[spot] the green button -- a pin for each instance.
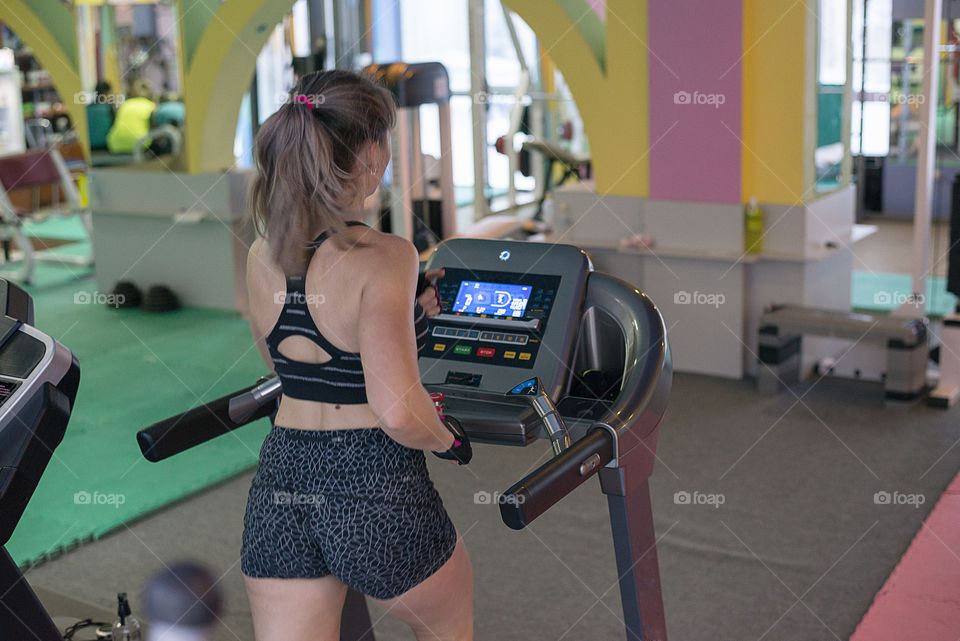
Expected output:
(463, 349)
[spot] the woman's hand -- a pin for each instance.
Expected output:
(429, 298)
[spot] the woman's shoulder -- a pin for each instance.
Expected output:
(381, 255)
(259, 261)
(256, 247)
(385, 247)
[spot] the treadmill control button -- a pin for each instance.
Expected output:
(439, 347)
(487, 352)
(509, 354)
(524, 356)
(522, 340)
(463, 349)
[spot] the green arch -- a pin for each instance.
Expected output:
(48, 28)
(591, 27)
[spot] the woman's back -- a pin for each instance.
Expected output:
(334, 283)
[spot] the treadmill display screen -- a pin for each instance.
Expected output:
(495, 299)
(491, 317)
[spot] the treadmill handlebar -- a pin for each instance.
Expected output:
(205, 422)
(553, 480)
(243, 405)
(648, 371)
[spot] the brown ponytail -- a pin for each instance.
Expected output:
(307, 161)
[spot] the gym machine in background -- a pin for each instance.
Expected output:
(415, 211)
(38, 384)
(530, 343)
(39, 378)
(947, 391)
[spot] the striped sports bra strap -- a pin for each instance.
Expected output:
(325, 234)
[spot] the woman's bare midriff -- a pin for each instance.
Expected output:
(311, 415)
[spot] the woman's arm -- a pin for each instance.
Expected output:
(388, 351)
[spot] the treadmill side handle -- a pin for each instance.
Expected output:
(553, 480)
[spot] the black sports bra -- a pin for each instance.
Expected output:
(338, 380)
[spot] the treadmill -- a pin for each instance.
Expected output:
(38, 384)
(530, 343)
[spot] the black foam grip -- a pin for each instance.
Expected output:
(193, 427)
(553, 480)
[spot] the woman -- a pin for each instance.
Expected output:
(341, 496)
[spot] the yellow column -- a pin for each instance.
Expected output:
(779, 100)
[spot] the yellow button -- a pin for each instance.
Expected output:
(439, 347)
(524, 356)
(509, 354)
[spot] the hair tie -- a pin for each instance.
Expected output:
(304, 99)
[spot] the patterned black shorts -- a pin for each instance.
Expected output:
(352, 503)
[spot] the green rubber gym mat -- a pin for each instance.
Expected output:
(58, 227)
(135, 368)
(884, 292)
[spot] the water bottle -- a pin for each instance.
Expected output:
(126, 627)
(753, 228)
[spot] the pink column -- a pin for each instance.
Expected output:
(695, 54)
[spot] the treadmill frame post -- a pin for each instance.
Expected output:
(355, 624)
(635, 419)
(635, 546)
(22, 616)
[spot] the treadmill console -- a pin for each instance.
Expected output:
(513, 314)
(492, 317)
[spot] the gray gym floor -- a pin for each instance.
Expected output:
(797, 549)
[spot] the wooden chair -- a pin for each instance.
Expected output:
(34, 185)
